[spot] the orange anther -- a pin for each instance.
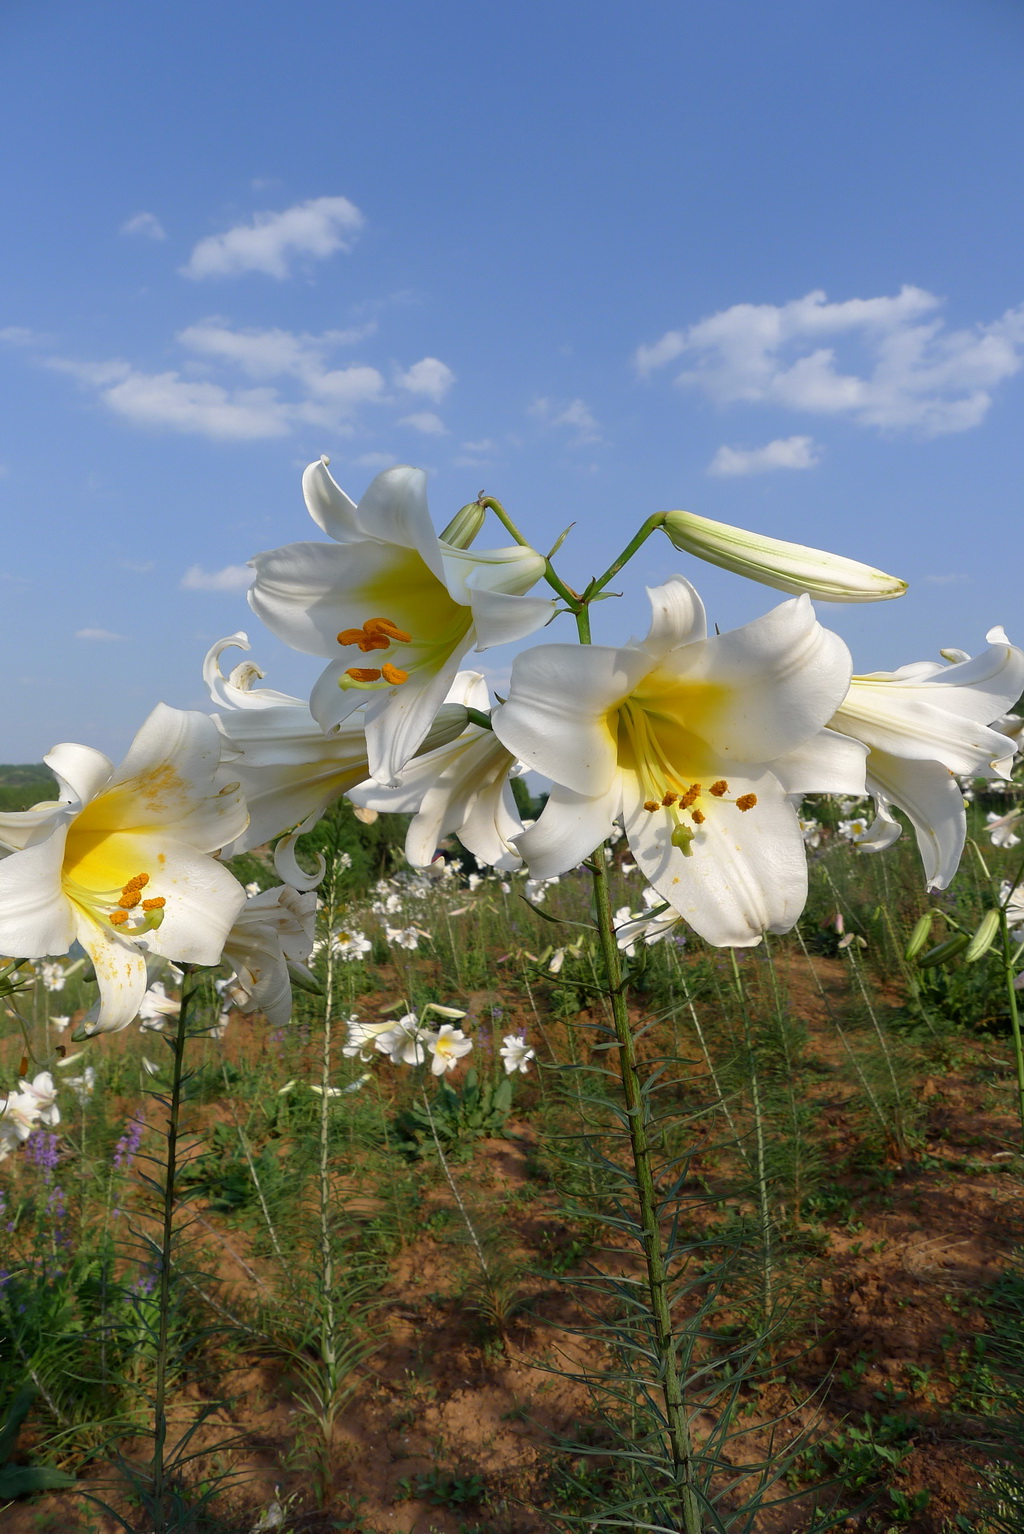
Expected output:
(669, 800)
(394, 674)
(746, 801)
(374, 642)
(650, 805)
(139, 882)
(130, 897)
(363, 674)
(697, 816)
(692, 793)
(156, 904)
(719, 788)
(350, 636)
(385, 626)
(118, 918)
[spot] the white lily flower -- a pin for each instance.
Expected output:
(680, 734)
(461, 788)
(447, 1046)
(649, 927)
(290, 771)
(119, 861)
(155, 1007)
(516, 1054)
(786, 566)
(272, 933)
(1000, 828)
(922, 724)
(390, 586)
(359, 1034)
(404, 1042)
(21, 1111)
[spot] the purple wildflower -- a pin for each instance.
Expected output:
(127, 1147)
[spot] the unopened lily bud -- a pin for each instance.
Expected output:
(981, 942)
(920, 935)
(786, 566)
(464, 526)
(449, 722)
(943, 952)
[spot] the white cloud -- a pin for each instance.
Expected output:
(18, 335)
(429, 376)
(783, 453)
(103, 634)
(919, 375)
(231, 578)
(317, 393)
(146, 224)
(270, 243)
(427, 422)
(376, 460)
(576, 415)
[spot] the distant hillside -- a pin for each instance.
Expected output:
(24, 785)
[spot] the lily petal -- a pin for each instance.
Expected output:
(932, 799)
(747, 873)
(762, 690)
(826, 764)
(35, 915)
(677, 616)
(571, 825)
(556, 717)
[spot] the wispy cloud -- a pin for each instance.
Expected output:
(429, 376)
(145, 224)
(101, 634)
(920, 376)
(272, 242)
(231, 578)
(18, 335)
(288, 380)
(783, 453)
(427, 422)
(576, 415)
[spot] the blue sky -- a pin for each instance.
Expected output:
(761, 261)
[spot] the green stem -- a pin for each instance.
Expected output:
(650, 526)
(166, 1245)
(657, 1275)
(1011, 994)
(550, 574)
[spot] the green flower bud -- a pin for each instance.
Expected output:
(920, 935)
(981, 942)
(944, 951)
(786, 566)
(464, 526)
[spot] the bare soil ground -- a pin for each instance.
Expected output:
(894, 1268)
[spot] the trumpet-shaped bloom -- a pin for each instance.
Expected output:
(922, 724)
(289, 770)
(649, 926)
(447, 1047)
(405, 1041)
(460, 788)
(516, 1054)
(120, 860)
(390, 607)
(680, 734)
(272, 933)
(786, 566)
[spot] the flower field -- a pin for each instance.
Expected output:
(595, 1105)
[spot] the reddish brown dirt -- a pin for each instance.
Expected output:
(891, 1279)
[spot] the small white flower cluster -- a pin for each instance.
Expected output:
(409, 1041)
(30, 1105)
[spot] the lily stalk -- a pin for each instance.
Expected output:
(791, 567)
(677, 1426)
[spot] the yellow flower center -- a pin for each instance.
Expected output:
(119, 908)
(669, 763)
